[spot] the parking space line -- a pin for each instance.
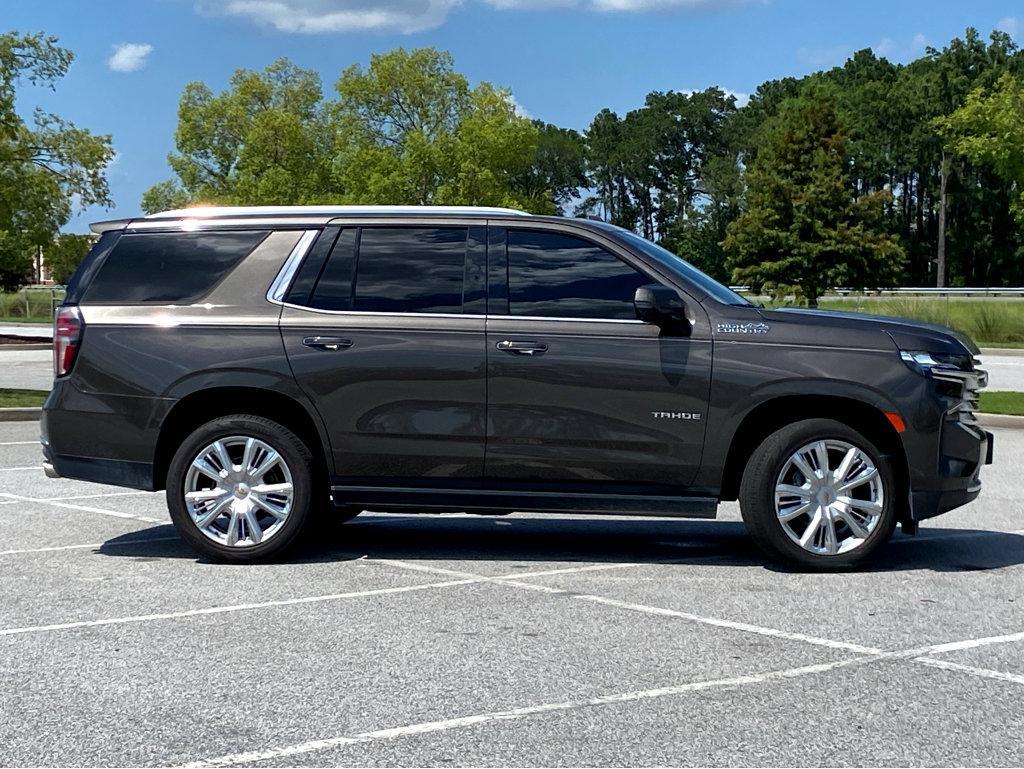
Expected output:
(28, 467)
(97, 496)
(93, 545)
(428, 727)
(232, 608)
(84, 508)
(19, 443)
(975, 643)
(512, 579)
(997, 675)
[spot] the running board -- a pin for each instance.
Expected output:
(475, 500)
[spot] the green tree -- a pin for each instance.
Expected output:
(989, 131)
(264, 140)
(803, 226)
(559, 167)
(45, 165)
(65, 253)
(409, 129)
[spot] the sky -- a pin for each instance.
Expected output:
(564, 60)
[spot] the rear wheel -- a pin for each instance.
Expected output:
(819, 494)
(239, 488)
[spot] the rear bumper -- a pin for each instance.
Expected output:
(100, 438)
(964, 450)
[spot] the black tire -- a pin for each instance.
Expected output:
(293, 450)
(757, 495)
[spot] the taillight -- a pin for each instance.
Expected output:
(67, 336)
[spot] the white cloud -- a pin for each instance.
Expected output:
(896, 50)
(329, 16)
(519, 108)
(326, 16)
(129, 57)
(829, 56)
(1010, 25)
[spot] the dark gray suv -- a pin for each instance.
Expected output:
(265, 365)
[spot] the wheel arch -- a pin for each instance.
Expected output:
(771, 415)
(206, 404)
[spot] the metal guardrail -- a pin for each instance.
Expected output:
(916, 291)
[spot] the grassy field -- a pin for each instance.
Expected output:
(989, 322)
(1003, 403)
(31, 305)
(21, 398)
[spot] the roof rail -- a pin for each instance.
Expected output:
(227, 211)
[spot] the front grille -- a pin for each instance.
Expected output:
(971, 382)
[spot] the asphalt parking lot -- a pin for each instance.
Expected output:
(523, 640)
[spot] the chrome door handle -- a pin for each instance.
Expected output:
(522, 348)
(332, 343)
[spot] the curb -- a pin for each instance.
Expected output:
(1003, 352)
(994, 420)
(21, 414)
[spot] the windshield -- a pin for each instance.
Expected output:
(721, 293)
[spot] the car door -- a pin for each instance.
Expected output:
(581, 394)
(386, 337)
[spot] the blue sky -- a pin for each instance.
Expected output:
(563, 59)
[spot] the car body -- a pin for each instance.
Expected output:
(483, 360)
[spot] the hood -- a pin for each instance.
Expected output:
(907, 334)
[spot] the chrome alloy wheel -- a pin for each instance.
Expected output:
(829, 497)
(238, 491)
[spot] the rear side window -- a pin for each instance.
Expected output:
(395, 269)
(164, 267)
(551, 275)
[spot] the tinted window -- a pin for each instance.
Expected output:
(168, 266)
(562, 276)
(400, 269)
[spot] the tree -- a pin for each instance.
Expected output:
(409, 129)
(559, 166)
(44, 166)
(803, 224)
(65, 253)
(988, 130)
(262, 141)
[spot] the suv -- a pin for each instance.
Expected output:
(264, 365)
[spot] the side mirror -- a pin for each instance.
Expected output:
(659, 305)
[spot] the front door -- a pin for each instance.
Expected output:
(581, 394)
(387, 346)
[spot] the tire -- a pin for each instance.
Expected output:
(258, 534)
(777, 516)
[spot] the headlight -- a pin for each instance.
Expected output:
(935, 362)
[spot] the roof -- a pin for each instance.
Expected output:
(322, 214)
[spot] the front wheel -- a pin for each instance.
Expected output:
(239, 488)
(819, 494)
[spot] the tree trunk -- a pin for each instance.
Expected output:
(940, 270)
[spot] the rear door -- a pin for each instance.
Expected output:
(581, 394)
(386, 336)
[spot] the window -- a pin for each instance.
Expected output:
(168, 267)
(562, 276)
(395, 269)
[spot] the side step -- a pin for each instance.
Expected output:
(478, 501)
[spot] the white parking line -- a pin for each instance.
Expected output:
(427, 727)
(92, 545)
(97, 496)
(19, 443)
(232, 608)
(84, 508)
(974, 643)
(997, 675)
(29, 467)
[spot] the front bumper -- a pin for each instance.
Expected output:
(964, 450)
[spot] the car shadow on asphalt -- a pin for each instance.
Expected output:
(570, 539)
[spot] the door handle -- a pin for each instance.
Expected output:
(522, 348)
(332, 343)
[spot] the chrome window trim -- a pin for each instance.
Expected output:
(374, 314)
(279, 288)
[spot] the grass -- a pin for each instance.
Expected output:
(30, 305)
(989, 322)
(1003, 403)
(21, 398)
